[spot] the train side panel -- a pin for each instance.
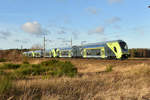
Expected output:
(94, 51)
(55, 52)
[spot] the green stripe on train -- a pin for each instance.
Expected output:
(118, 51)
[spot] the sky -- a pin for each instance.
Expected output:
(25, 22)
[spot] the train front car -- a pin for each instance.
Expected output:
(117, 49)
(124, 48)
(65, 52)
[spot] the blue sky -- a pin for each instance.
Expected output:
(23, 21)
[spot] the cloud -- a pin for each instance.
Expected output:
(49, 40)
(2, 37)
(32, 28)
(36, 46)
(113, 20)
(21, 41)
(4, 34)
(97, 30)
(64, 30)
(104, 39)
(61, 30)
(114, 1)
(75, 34)
(92, 10)
(118, 27)
(60, 38)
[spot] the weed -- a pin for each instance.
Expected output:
(109, 68)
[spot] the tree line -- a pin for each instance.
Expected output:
(139, 52)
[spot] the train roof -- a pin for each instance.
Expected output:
(38, 51)
(25, 52)
(48, 50)
(99, 44)
(65, 48)
(29, 51)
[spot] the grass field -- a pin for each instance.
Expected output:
(95, 80)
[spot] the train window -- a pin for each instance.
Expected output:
(30, 54)
(123, 45)
(94, 52)
(115, 49)
(64, 53)
(47, 53)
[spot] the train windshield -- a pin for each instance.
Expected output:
(123, 46)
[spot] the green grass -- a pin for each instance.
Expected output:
(46, 68)
(52, 67)
(109, 68)
(31, 70)
(26, 62)
(5, 84)
(2, 60)
(9, 66)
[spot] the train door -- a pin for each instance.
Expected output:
(102, 52)
(76, 51)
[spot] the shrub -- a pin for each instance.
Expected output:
(2, 60)
(50, 62)
(26, 62)
(109, 68)
(5, 84)
(10, 66)
(2, 72)
(35, 69)
(52, 67)
(63, 68)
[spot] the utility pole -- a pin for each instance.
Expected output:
(71, 41)
(44, 45)
(21, 47)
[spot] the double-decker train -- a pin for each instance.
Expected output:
(117, 49)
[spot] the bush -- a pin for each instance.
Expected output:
(5, 84)
(2, 60)
(26, 62)
(109, 68)
(52, 67)
(35, 69)
(50, 62)
(10, 66)
(2, 72)
(58, 68)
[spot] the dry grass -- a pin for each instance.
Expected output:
(130, 84)
(129, 80)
